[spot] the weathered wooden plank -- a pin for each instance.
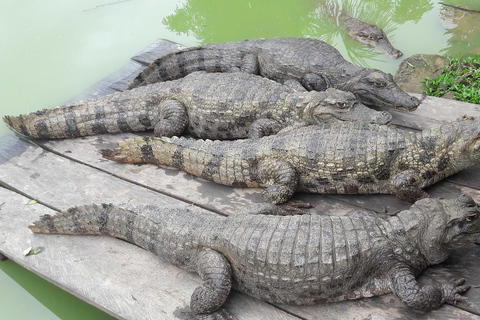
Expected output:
(157, 49)
(469, 178)
(127, 281)
(432, 111)
(386, 307)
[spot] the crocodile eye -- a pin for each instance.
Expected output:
(379, 84)
(471, 217)
(342, 105)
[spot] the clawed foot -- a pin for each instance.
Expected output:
(294, 207)
(300, 204)
(453, 290)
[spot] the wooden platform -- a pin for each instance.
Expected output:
(131, 283)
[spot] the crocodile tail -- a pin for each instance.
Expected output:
(169, 232)
(143, 150)
(181, 153)
(84, 219)
(218, 161)
(218, 57)
(94, 219)
(113, 113)
(69, 121)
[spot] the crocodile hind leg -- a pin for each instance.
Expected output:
(405, 186)
(172, 119)
(249, 65)
(313, 81)
(216, 272)
(427, 297)
(280, 179)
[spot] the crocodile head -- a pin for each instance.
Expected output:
(337, 105)
(371, 35)
(376, 88)
(449, 224)
(462, 142)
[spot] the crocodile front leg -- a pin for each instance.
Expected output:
(216, 272)
(172, 119)
(405, 186)
(249, 65)
(280, 179)
(428, 297)
(312, 81)
(263, 127)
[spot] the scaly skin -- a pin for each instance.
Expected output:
(314, 64)
(301, 259)
(370, 35)
(342, 158)
(207, 105)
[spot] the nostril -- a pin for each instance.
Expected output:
(415, 101)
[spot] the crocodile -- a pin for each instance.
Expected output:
(341, 158)
(206, 105)
(296, 259)
(369, 34)
(312, 63)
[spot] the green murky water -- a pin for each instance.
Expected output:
(51, 51)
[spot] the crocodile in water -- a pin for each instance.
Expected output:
(369, 34)
(343, 158)
(301, 259)
(208, 105)
(313, 63)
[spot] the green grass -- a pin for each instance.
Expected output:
(461, 76)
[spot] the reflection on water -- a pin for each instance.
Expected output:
(387, 15)
(315, 19)
(220, 20)
(462, 27)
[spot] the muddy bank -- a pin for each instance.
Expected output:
(414, 69)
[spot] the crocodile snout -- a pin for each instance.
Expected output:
(383, 117)
(411, 103)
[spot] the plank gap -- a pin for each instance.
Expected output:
(13, 189)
